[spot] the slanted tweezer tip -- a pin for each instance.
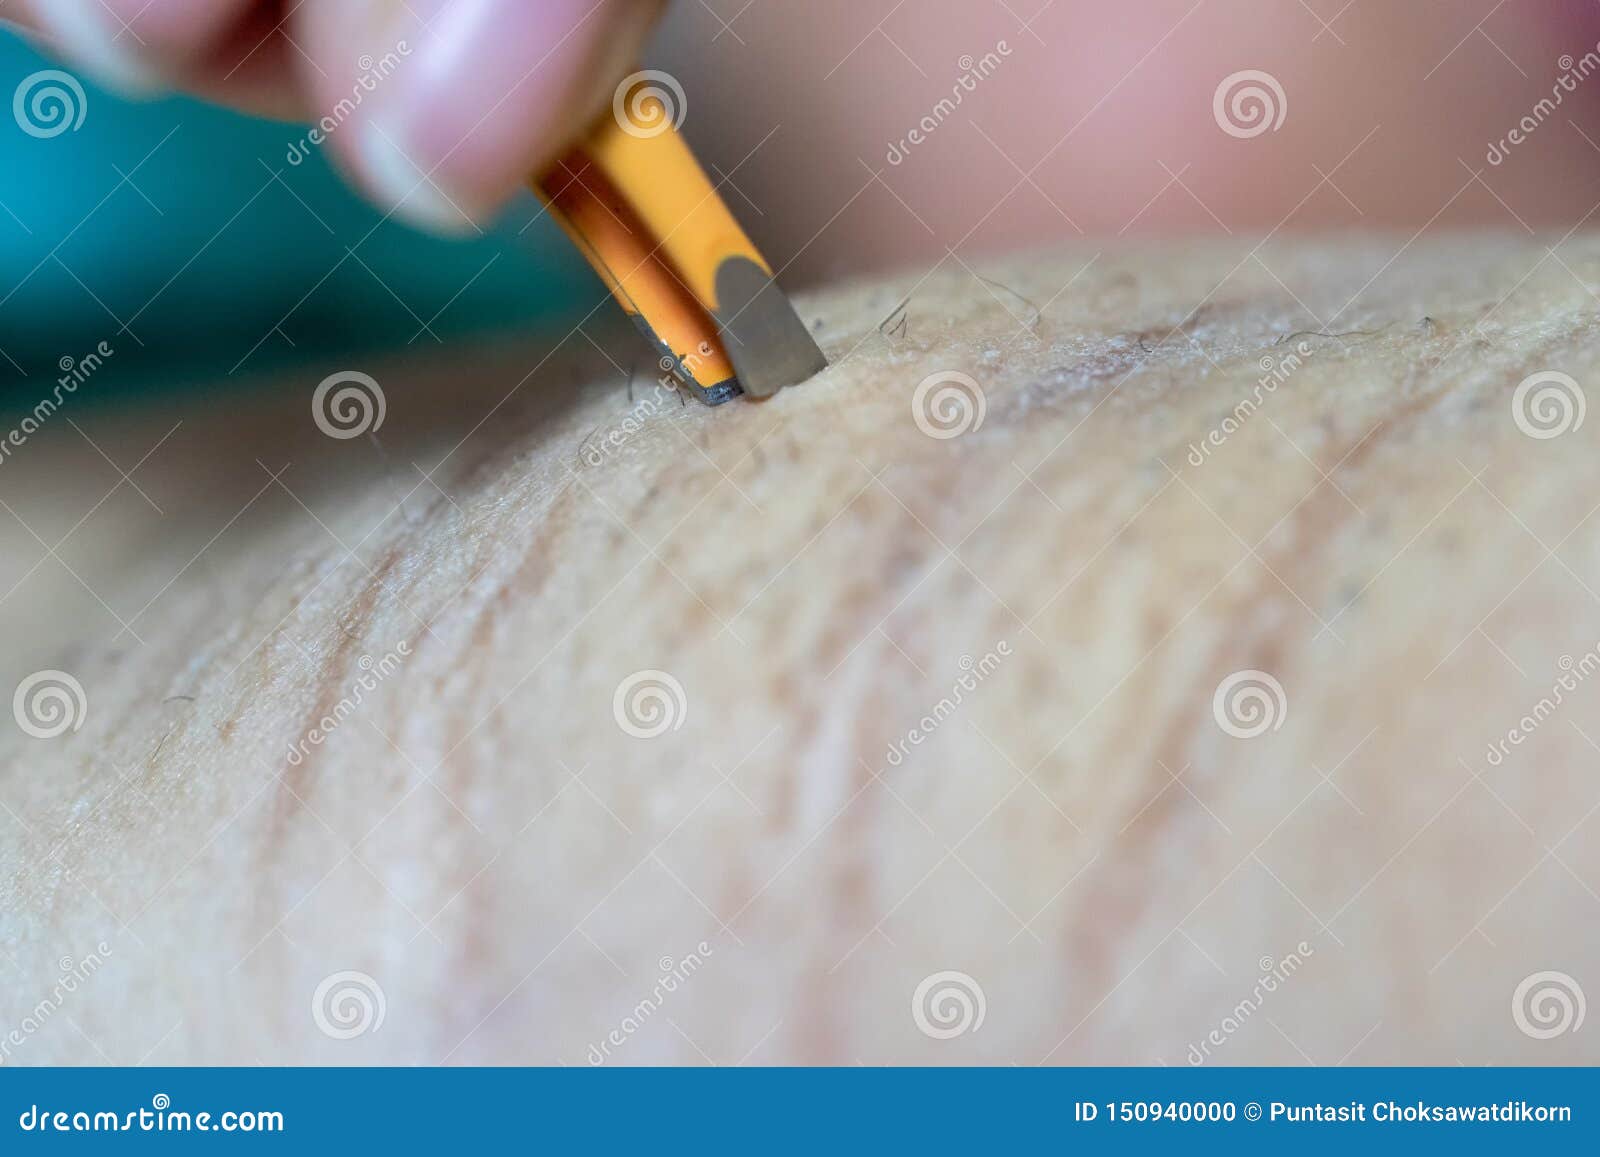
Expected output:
(768, 344)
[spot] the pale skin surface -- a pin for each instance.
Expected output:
(482, 839)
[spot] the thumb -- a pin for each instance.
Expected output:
(476, 94)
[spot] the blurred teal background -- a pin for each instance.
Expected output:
(179, 233)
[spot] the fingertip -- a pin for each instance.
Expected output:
(401, 187)
(85, 35)
(135, 47)
(487, 95)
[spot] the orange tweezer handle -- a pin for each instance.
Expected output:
(644, 213)
(675, 200)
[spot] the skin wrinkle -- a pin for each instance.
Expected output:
(336, 673)
(832, 746)
(535, 569)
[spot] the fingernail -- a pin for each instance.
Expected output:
(399, 184)
(493, 89)
(84, 31)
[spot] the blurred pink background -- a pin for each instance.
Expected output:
(1099, 122)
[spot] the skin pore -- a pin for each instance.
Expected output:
(1301, 462)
